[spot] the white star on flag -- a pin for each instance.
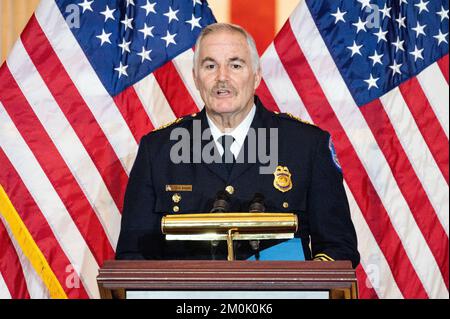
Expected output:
(339, 16)
(386, 11)
(147, 31)
(376, 58)
(443, 14)
(355, 48)
(416, 53)
(172, 15)
(149, 7)
(422, 6)
(108, 13)
(127, 22)
(130, 2)
(145, 55)
(419, 29)
(381, 35)
(360, 25)
(401, 21)
(122, 69)
(441, 37)
(396, 68)
(86, 5)
(194, 22)
(398, 45)
(372, 82)
(364, 3)
(125, 46)
(169, 38)
(104, 37)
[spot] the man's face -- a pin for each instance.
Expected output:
(224, 74)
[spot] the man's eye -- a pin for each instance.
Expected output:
(209, 66)
(236, 66)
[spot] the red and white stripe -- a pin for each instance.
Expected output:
(4, 291)
(62, 223)
(67, 147)
(37, 225)
(12, 279)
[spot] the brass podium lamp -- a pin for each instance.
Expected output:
(229, 227)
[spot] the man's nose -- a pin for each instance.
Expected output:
(222, 73)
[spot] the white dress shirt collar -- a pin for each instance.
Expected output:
(239, 133)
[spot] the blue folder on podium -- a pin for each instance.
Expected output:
(289, 250)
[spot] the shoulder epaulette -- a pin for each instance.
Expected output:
(292, 116)
(178, 120)
(169, 124)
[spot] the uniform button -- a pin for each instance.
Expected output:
(229, 189)
(285, 205)
(176, 209)
(176, 198)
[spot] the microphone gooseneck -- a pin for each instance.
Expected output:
(220, 205)
(256, 206)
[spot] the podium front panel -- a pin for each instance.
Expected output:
(176, 277)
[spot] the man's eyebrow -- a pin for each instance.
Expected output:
(236, 59)
(208, 59)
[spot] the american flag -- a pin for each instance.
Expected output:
(76, 99)
(375, 75)
(76, 95)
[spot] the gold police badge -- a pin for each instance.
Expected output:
(282, 179)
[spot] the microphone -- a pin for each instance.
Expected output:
(220, 205)
(256, 206)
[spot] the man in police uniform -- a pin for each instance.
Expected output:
(306, 180)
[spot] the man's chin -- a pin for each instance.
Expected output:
(224, 108)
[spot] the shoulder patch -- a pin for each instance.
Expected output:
(169, 124)
(334, 155)
(296, 118)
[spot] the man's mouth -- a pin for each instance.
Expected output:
(223, 92)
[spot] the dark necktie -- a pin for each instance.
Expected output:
(227, 156)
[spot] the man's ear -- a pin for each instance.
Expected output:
(195, 78)
(258, 77)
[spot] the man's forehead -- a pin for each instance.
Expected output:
(216, 42)
(234, 38)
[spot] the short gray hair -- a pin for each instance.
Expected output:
(218, 27)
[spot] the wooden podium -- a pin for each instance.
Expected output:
(337, 278)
